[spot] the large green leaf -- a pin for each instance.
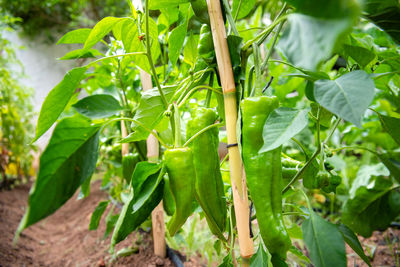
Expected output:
(282, 124)
(159, 4)
(327, 8)
(261, 258)
(352, 240)
(175, 42)
(385, 14)
(372, 202)
(190, 49)
(146, 193)
(132, 42)
(200, 10)
(67, 162)
(101, 29)
(98, 106)
(308, 41)
(78, 36)
(57, 99)
(392, 126)
(149, 112)
(245, 6)
(324, 242)
(392, 163)
(348, 96)
(361, 55)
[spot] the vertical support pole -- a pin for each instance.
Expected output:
(157, 215)
(238, 180)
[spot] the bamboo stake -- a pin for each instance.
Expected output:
(157, 215)
(238, 180)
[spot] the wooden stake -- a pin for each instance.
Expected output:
(157, 215)
(238, 180)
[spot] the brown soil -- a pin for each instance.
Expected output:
(63, 239)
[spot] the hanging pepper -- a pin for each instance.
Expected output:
(168, 199)
(129, 162)
(181, 172)
(206, 45)
(264, 174)
(209, 185)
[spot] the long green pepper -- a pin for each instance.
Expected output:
(264, 174)
(181, 172)
(209, 185)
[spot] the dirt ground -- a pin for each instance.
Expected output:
(63, 239)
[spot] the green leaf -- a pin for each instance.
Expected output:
(68, 161)
(98, 106)
(385, 14)
(245, 6)
(146, 193)
(326, 9)
(352, 240)
(149, 113)
(81, 53)
(391, 125)
(372, 202)
(324, 242)
(308, 41)
(392, 164)
(57, 100)
(235, 46)
(261, 258)
(190, 51)
(78, 36)
(96, 215)
(348, 96)
(360, 54)
(227, 261)
(282, 124)
(200, 10)
(175, 42)
(159, 4)
(101, 29)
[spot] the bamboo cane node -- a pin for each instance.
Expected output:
(231, 145)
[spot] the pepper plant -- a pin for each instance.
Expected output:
(317, 87)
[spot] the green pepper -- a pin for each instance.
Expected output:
(264, 174)
(209, 185)
(129, 162)
(334, 181)
(322, 179)
(181, 172)
(206, 46)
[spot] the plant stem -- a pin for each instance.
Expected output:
(141, 125)
(177, 119)
(271, 49)
(229, 17)
(149, 57)
(310, 160)
(191, 139)
(209, 92)
(194, 89)
(256, 56)
(114, 56)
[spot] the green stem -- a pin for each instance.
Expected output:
(237, 11)
(250, 89)
(138, 123)
(256, 56)
(310, 160)
(177, 119)
(231, 21)
(264, 34)
(301, 146)
(271, 49)
(149, 57)
(224, 159)
(356, 147)
(197, 88)
(191, 139)
(114, 56)
(209, 92)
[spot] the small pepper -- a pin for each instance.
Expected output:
(264, 174)
(181, 172)
(206, 46)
